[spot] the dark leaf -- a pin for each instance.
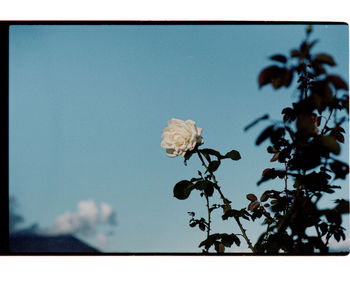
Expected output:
(213, 165)
(201, 184)
(289, 115)
(264, 197)
(230, 213)
(337, 82)
(187, 156)
(268, 171)
(340, 169)
(251, 197)
(323, 228)
(209, 241)
(337, 236)
(219, 247)
(264, 135)
(271, 149)
(324, 58)
(206, 155)
(209, 191)
(339, 137)
(330, 143)
(182, 189)
(333, 217)
(264, 117)
(305, 125)
(226, 240)
(268, 75)
(318, 68)
(236, 240)
(271, 173)
(195, 179)
(295, 53)
(201, 227)
(253, 205)
(287, 78)
(233, 154)
(275, 157)
(342, 206)
(211, 152)
(279, 58)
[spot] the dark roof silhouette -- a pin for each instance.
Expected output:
(35, 243)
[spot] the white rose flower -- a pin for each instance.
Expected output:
(180, 137)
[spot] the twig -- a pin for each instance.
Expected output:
(226, 201)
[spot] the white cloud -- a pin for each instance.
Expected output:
(84, 220)
(107, 214)
(102, 239)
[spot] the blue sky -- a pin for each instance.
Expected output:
(87, 106)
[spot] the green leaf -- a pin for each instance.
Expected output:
(233, 154)
(213, 165)
(182, 189)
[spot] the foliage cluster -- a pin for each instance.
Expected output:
(305, 145)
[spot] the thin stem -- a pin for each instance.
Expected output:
(209, 218)
(244, 234)
(325, 124)
(226, 202)
(213, 177)
(286, 186)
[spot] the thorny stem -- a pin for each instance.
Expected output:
(226, 201)
(209, 220)
(244, 234)
(214, 179)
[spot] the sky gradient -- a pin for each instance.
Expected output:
(87, 106)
